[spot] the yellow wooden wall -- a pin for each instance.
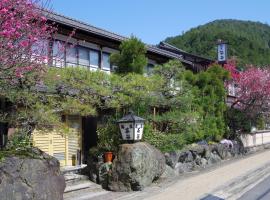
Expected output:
(61, 146)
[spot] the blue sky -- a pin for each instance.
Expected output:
(154, 20)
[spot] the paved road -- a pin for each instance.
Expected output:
(259, 192)
(210, 185)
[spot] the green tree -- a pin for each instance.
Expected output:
(210, 94)
(175, 117)
(131, 57)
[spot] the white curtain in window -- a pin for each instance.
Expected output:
(71, 55)
(106, 61)
(83, 56)
(94, 58)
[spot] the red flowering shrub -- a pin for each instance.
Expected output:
(252, 101)
(24, 33)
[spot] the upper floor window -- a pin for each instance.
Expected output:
(40, 48)
(106, 65)
(94, 58)
(58, 53)
(58, 49)
(71, 56)
(149, 69)
(83, 56)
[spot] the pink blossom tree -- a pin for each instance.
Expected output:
(252, 90)
(24, 34)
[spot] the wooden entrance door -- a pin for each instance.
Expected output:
(65, 147)
(74, 140)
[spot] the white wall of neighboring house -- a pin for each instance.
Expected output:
(231, 89)
(256, 139)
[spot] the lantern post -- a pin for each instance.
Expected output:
(131, 127)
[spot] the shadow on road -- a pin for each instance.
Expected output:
(211, 197)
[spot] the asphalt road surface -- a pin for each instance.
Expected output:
(259, 192)
(232, 180)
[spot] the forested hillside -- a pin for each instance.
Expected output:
(248, 41)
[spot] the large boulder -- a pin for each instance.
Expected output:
(184, 167)
(135, 167)
(37, 178)
(168, 173)
(186, 157)
(172, 158)
(199, 150)
(94, 165)
(222, 150)
(238, 148)
(214, 158)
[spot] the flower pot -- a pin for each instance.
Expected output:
(108, 156)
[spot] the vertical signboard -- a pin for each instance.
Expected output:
(222, 52)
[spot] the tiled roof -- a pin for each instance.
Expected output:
(169, 54)
(166, 46)
(82, 25)
(55, 17)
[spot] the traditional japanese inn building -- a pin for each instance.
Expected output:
(92, 50)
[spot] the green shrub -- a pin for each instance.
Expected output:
(164, 142)
(237, 121)
(109, 136)
(19, 140)
(260, 123)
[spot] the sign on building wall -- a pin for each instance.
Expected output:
(222, 52)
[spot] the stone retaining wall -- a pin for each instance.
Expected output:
(203, 156)
(190, 159)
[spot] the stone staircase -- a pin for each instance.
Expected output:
(79, 187)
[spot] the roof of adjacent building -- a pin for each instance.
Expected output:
(169, 47)
(79, 25)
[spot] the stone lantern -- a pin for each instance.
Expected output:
(131, 127)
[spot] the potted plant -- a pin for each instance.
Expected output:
(108, 156)
(108, 139)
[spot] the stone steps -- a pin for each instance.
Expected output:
(72, 179)
(85, 194)
(72, 169)
(83, 184)
(79, 187)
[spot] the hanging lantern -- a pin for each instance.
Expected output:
(131, 127)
